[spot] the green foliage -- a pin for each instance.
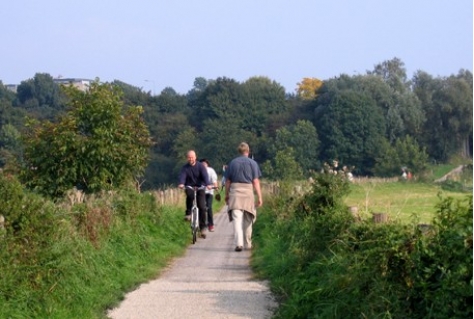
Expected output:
(330, 266)
(404, 153)
(350, 127)
(358, 118)
(303, 139)
(41, 96)
(455, 186)
(28, 218)
(75, 262)
(447, 103)
(96, 146)
(261, 97)
(10, 145)
(441, 276)
(283, 167)
(219, 141)
(327, 193)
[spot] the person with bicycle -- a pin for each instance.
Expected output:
(194, 174)
(242, 184)
(210, 193)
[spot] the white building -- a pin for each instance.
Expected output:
(81, 84)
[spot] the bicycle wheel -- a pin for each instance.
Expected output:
(194, 224)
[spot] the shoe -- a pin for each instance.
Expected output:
(211, 228)
(238, 248)
(203, 235)
(187, 218)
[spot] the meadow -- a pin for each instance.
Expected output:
(402, 201)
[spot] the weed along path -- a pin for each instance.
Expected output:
(210, 281)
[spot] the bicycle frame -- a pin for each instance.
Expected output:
(195, 213)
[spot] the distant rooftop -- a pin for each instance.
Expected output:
(81, 84)
(11, 87)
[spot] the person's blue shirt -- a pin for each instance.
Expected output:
(243, 169)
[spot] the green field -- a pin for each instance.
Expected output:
(400, 200)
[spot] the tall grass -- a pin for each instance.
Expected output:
(77, 262)
(322, 263)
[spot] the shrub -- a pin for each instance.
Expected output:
(442, 273)
(323, 264)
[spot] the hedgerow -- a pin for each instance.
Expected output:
(322, 263)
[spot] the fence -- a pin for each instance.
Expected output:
(170, 197)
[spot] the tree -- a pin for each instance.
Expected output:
(41, 96)
(132, 95)
(454, 102)
(404, 153)
(402, 109)
(308, 88)
(303, 139)
(169, 101)
(220, 100)
(219, 140)
(10, 145)
(251, 104)
(97, 145)
(351, 128)
(261, 99)
(283, 166)
(186, 140)
(199, 86)
(447, 103)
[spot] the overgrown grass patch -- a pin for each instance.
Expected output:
(77, 262)
(321, 263)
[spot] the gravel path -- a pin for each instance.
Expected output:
(210, 281)
(457, 170)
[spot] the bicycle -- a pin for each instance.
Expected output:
(195, 213)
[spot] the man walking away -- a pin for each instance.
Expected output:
(242, 181)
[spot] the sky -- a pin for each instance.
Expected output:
(153, 44)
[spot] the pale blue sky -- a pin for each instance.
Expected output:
(170, 43)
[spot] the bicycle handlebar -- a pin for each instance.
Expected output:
(195, 187)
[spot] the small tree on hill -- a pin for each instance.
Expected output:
(404, 153)
(97, 145)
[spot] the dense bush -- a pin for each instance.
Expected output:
(324, 264)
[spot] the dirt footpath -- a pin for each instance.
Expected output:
(210, 281)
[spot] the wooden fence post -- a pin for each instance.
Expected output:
(380, 218)
(426, 229)
(354, 210)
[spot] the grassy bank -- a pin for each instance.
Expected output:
(74, 262)
(321, 263)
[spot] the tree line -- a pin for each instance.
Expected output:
(373, 123)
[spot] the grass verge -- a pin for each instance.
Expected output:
(88, 258)
(322, 263)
